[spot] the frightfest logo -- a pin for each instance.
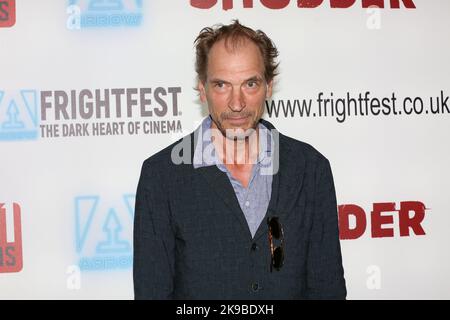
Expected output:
(31, 114)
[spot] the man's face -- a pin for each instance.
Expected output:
(235, 88)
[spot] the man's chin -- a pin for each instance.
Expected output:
(238, 133)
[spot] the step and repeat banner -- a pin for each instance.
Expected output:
(89, 89)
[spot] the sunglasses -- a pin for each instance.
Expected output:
(277, 252)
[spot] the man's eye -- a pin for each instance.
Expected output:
(251, 84)
(219, 84)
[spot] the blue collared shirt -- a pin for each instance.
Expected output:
(253, 200)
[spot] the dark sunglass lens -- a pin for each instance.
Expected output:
(278, 257)
(275, 228)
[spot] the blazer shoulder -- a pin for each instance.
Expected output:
(162, 160)
(303, 149)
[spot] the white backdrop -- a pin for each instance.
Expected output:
(76, 193)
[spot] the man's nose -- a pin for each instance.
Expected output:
(237, 100)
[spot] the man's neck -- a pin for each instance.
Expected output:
(236, 152)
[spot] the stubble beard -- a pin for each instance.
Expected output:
(236, 133)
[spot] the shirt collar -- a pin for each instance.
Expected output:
(205, 153)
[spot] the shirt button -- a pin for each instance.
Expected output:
(255, 286)
(254, 247)
(247, 203)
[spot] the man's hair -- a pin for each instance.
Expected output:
(236, 33)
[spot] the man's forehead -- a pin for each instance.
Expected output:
(233, 76)
(240, 63)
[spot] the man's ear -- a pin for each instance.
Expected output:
(269, 89)
(202, 91)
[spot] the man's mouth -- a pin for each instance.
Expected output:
(237, 120)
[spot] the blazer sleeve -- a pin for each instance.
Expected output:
(153, 239)
(325, 273)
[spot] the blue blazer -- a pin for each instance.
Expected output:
(192, 241)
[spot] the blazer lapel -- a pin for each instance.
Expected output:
(286, 184)
(219, 182)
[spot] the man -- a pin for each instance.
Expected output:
(236, 210)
